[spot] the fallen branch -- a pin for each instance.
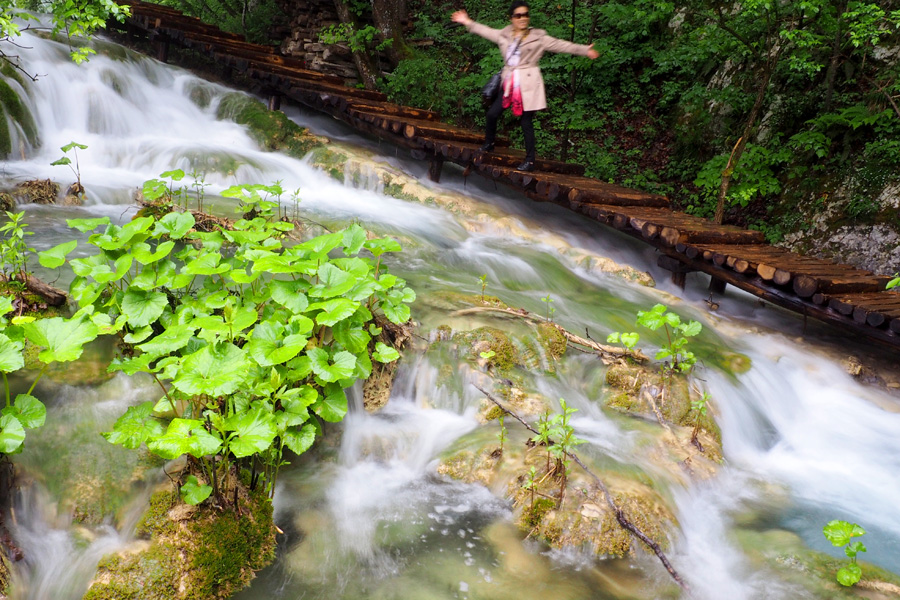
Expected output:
(620, 515)
(607, 353)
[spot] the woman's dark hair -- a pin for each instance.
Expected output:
(517, 4)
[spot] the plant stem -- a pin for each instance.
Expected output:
(6, 385)
(38, 378)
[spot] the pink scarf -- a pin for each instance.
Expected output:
(512, 94)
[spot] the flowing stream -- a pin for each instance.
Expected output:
(368, 516)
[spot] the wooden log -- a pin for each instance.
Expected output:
(51, 295)
(807, 285)
(608, 194)
(439, 131)
(672, 235)
(894, 326)
(874, 317)
(394, 110)
(434, 170)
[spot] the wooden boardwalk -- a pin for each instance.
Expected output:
(837, 294)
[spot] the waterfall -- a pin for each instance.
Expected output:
(803, 441)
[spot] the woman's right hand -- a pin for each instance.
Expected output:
(461, 17)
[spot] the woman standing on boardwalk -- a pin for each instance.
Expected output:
(522, 89)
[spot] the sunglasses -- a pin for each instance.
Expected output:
(523, 15)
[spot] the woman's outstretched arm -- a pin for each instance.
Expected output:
(553, 44)
(488, 33)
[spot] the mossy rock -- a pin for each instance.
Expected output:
(13, 107)
(7, 202)
(5, 574)
(493, 345)
(194, 553)
(786, 553)
(271, 129)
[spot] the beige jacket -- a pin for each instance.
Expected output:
(536, 43)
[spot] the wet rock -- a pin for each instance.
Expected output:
(37, 191)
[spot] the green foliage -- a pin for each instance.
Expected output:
(502, 434)
(259, 339)
(483, 279)
(550, 310)
(360, 39)
(13, 247)
(895, 282)
(841, 533)
(677, 334)
(629, 340)
(62, 340)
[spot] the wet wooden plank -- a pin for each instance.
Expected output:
(807, 285)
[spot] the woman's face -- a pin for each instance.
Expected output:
(520, 18)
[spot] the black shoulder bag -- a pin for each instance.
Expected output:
(492, 87)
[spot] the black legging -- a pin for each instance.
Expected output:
(527, 121)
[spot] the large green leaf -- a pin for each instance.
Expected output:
(333, 281)
(214, 370)
(12, 434)
(354, 339)
(839, 532)
(30, 411)
(382, 245)
(11, 358)
(56, 256)
(294, 404)
(333, 406)
(333, 310)
(299, 441)
(384, 353)
(320, 246)
(289, 294)
(85, 225)
(269, 347)
(143, 307)
(354, 238)
(254, 432)
(185, 436)
(63, 339)
(849, 574)
(145, 255)
(207, 263)
(175, 225)
(341, 366)
(172, 339)
(193, 493)
(136, 426)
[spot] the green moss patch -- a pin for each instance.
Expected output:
(194, 553)
(271, 129)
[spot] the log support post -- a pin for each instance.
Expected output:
(434, 170)
(716, 286)
(679, 269)
(274, 102)
(161, 48)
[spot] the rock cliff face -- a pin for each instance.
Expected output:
(835, 229)
(306, 20)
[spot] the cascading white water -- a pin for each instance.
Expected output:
(803, 442)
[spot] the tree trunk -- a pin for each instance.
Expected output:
(831, 74)
(738, 150)
(367, 71)
(388, 16)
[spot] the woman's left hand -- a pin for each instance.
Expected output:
(592, 54)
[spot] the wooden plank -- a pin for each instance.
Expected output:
(395, 110)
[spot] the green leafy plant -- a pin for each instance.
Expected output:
(564, 445)
(483, 279)
(547, 429)
(550, 310)
(841, 533)
(13, 247)
(502, 434)
(698, 413)
(895, 282)
(76, 170)
(677, 334)
(252, 341)
(629, 340)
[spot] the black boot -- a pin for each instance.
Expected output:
(528, 166)
(487, 147)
